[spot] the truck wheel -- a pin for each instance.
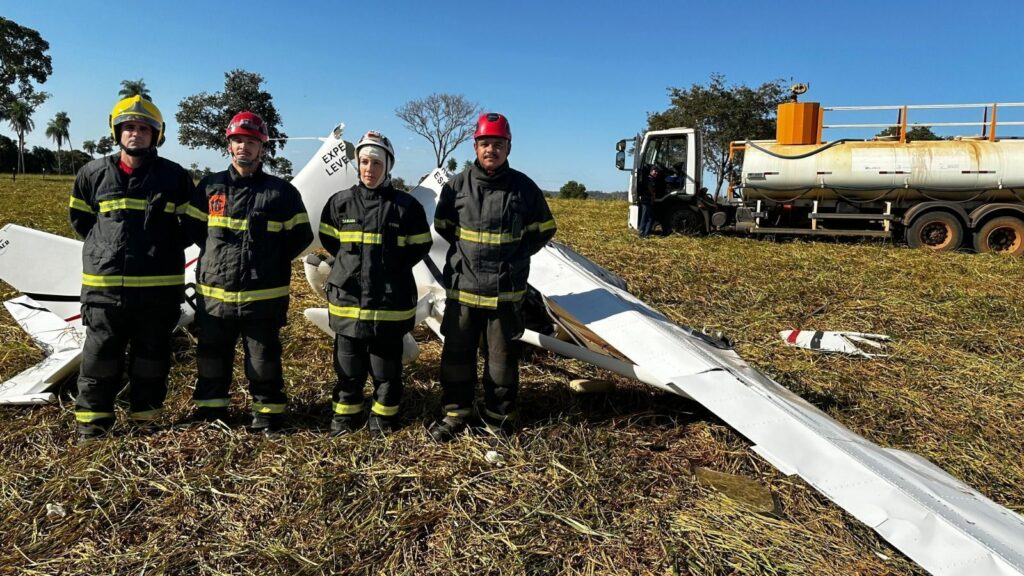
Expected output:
(686, 221)
(940, 231)
(1002, 235)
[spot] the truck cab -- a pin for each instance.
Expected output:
(666, 167)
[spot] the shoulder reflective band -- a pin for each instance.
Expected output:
(485, 237)
(225, 222)
(357, 236)
(243, 296)
(415, 239)
(79, 204)
(275, 226)
(371, 315)
(132, 281)
(479, 301)
(347, 409)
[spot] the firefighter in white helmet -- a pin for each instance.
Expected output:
(376, 235)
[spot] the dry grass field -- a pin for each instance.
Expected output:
(592, 484)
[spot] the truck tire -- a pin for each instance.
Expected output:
(939, 231)
(685, 221)
(1002, 235)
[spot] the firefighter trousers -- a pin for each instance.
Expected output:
(464, 329)
(109, 331)
(215, 358)
(379, 357)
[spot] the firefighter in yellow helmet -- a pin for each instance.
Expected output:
(127, 208)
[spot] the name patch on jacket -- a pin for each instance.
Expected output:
(218, 202)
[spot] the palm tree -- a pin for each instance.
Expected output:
(57, 130)
(89, 146)
(19, 118)
(131, 88)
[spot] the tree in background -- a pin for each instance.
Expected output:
(918, 133)
(19, 117)
(398, 183)
(105, 145)
(131, 88)
(573, 189)
(722, 114)
(202, 118)
(23, 59)
(445, 120)
(467, 164)
(89, 146)
(57, 130)
(453, 164)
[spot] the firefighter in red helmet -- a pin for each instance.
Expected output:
(494, 218)
(249, 226)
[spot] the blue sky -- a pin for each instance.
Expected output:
(573, 77)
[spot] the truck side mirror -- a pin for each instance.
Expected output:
(620, 160)
(620, 146)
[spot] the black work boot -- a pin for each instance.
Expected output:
(342, 424)
(92, 431)
(502, 426)
(210, 414)
(382, 425)
(446, 429)
(268, 424)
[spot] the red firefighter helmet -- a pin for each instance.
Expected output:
(248, 124)
(492, 124)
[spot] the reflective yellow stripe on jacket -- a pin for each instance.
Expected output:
(371, 315)
(414, 239)
(82, 205)
(225, 222)
(485, 237)
(479, 301)
(352, 235)
(132, 281)
(243, 296)
(541, 226)
(275, 226)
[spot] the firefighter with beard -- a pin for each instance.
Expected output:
(127, 208)
(376, 235)
(495, 218)
(250, 225)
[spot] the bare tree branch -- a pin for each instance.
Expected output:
(445, 120)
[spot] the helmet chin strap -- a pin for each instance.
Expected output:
(137, 152)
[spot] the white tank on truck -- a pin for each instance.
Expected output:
(965, 191)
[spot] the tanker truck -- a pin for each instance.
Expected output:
(963, 192)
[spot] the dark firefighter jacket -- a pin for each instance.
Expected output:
(376, 237)
(249, 229)
(133, 253)
(494, 224)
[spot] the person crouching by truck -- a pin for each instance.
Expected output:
(250, 225)
(376, 235)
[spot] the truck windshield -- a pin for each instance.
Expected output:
(668, 155)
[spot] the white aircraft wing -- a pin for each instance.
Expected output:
(938, 521)
(47, 270)
(59, 339)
